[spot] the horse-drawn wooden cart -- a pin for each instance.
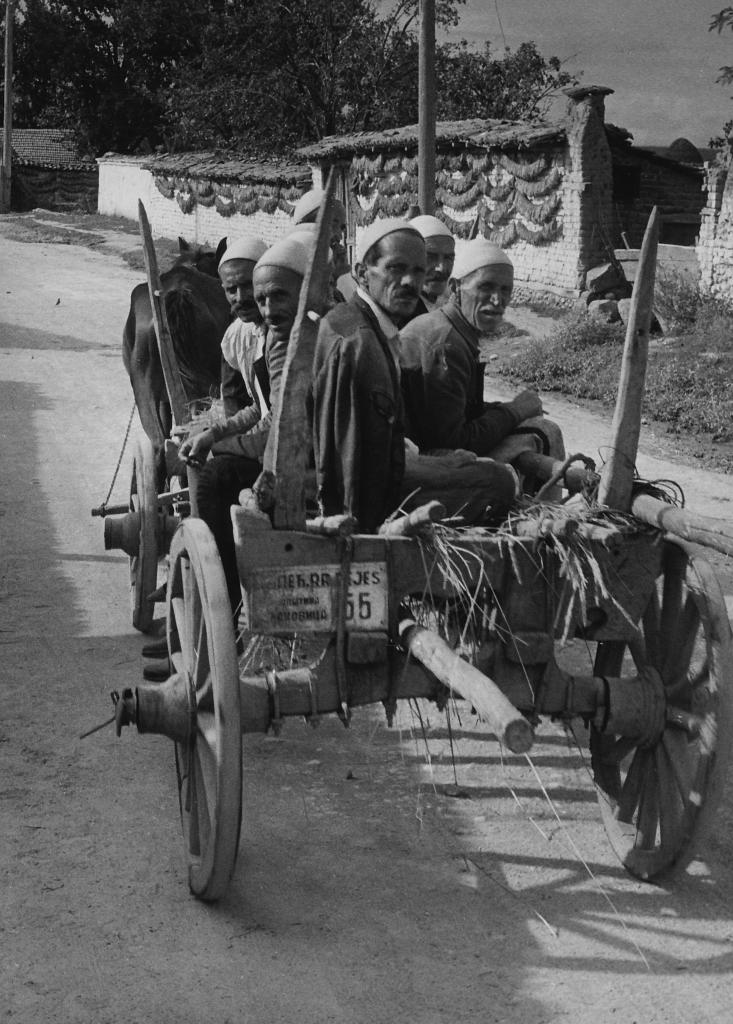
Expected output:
(333, 619)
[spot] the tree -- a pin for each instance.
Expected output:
(720, 21)
(262, 76)
(101, 68)
(517, 86)
(341, 67)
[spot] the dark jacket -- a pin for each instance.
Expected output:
(356, 406)
(443, 386)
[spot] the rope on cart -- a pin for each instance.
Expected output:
(119, 460)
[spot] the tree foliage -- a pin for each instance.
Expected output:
(254, 75)
(720, 21)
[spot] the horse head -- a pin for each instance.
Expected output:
(206, 261)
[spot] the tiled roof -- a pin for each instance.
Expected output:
(473, 132)
(46, 147)
(229, 168)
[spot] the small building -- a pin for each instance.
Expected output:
(48, 170)
(672, 179)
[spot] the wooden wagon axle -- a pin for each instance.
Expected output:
(632, 707)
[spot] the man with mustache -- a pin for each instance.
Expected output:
(238, 443)
(440, 250)
(443, 378)
(362, 465)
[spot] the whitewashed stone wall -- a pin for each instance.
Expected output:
(715, 241)
(123, 180)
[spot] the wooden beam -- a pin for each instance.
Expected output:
(289, 442)
(426, 105)
(180, 410)
(698, 529)
(6, 171)
(618, 473)
(465, 681)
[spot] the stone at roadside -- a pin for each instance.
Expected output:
(604, 278)
(604, 310)
(624, 308)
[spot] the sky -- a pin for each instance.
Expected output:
(657, 55)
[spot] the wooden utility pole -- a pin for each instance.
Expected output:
(6, 170)
(426, 103)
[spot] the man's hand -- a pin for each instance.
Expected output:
(526, 405)
(196, 448)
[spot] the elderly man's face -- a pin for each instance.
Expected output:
(441, 253)
(236, 280)
(276, 292)
(484, 295)
(395, 278)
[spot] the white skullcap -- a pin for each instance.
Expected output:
(478, 253)
(378, 230)
(307, 234)
(246, 248)
(309, 203)
(430, 226)
(289, 253)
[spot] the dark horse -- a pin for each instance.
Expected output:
(198, 314)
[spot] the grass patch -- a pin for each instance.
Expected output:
(689, 379)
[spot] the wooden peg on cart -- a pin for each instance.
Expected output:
(617, 477)
(282, 482)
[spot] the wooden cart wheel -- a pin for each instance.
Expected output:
(657, 801)
(202, 648)
(144, 565)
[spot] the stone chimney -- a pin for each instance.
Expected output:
(593, 96)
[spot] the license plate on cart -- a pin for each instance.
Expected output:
(304, 598)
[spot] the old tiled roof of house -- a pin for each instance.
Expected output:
(225, 167)
(47, 147)
(473, 132)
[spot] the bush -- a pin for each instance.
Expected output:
(581, 357)
(689, 377)
(676, 298)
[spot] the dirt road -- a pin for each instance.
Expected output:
(365, 893)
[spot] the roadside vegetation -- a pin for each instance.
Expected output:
(689, 385)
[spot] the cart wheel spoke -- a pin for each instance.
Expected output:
(652, 638)
(648, 818)
(202, 666)
(638, 652)
(206, 748)
(682, 646)
(671, 802)
(631, 787)
(680, 764)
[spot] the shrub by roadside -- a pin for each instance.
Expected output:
(689, 379)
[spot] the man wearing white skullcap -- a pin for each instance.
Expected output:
(238, 443)
(443, 377)
(306, 212)
(235, 273)
(440, 249)
(362, 466)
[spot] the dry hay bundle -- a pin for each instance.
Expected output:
(568, 545)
